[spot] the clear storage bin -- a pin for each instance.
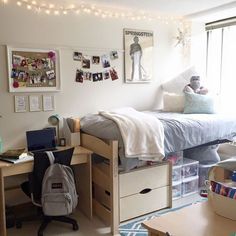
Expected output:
(176, 190)
(176, 173)
(189, 168)
(190, 186)
(203, 172)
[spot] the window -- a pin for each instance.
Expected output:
(221, 64)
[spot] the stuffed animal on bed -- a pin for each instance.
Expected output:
(195, 86)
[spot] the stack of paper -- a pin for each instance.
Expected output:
(16, 156)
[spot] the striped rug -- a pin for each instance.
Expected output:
(134, 228)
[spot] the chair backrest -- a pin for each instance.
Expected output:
(41, 163)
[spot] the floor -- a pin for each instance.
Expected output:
(87, 228)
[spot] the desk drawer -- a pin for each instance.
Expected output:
(140, 204)
(150, 177)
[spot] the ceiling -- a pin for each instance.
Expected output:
(165, 7)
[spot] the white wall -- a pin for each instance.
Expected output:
(23, 28)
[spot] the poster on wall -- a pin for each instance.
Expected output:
(33, 70)
(138, 45)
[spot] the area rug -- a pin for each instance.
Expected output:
(134, 227)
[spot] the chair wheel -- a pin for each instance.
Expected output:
(75, 227)
(18, 224)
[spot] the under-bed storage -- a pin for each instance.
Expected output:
(144, 190)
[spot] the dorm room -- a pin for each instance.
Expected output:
(135, 87)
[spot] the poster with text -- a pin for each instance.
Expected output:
(138, 46)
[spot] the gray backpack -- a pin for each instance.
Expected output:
(59, 195)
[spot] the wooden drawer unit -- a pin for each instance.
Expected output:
(149, 177)
(140, 204)
(144, 190)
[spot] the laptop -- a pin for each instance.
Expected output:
(41, 140)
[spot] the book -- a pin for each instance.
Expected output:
(13, 153)
(26, 157)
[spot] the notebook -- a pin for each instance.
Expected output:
(41, 140)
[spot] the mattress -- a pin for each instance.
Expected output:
(181, 131)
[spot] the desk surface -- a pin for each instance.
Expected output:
(77, 151)
(82, 172)
(196, 220)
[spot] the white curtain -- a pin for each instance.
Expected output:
(221, 66)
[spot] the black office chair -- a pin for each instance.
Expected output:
(33, 187)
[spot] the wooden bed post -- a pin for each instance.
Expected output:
(115, 218)
(107, 179)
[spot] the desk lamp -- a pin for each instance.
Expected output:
(55, 120)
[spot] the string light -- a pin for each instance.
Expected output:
(97, 11)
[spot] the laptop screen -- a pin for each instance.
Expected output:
(43, 139)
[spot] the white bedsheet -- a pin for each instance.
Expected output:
(142, 133)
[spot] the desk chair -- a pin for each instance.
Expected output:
(33, 187)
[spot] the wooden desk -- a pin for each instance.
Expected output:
(196, 220)
(81, 162)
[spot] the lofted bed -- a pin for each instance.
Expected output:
(122, 187)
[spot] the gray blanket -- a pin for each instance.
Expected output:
(182, 131)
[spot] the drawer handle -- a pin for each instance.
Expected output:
(146, 190)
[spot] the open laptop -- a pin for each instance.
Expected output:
(41, 140)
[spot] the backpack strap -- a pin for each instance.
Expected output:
(51, 157)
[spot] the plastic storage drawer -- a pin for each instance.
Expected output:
(189, 168)
(176, 173)
(203, 172)
(176, 190)
(190, 186)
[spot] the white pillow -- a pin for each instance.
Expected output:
(173, 102)
(177, 84)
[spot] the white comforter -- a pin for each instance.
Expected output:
(142, 133)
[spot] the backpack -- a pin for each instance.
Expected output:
(59, 197)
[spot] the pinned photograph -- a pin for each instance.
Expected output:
(96, 60)
(50, 74)
(87, 76)
(106, 75)
(113, 55)
(113, 73)
(105, 61)
(79, 76)
(97, 77)
(86, 62)
(77, 56)
(14, 73)
(16, 60)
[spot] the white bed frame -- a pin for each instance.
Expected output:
(112, 190)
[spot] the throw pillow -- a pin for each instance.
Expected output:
(173, 102)
(198, 103)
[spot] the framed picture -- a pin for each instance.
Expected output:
(48, 103)
(35, 103)
(21, 103)
(138, 46)
(33, 70)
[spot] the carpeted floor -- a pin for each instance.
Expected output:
(134, 228)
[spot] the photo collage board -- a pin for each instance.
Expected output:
(95, 68)
(33, 70)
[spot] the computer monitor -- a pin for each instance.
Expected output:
(41, 140)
